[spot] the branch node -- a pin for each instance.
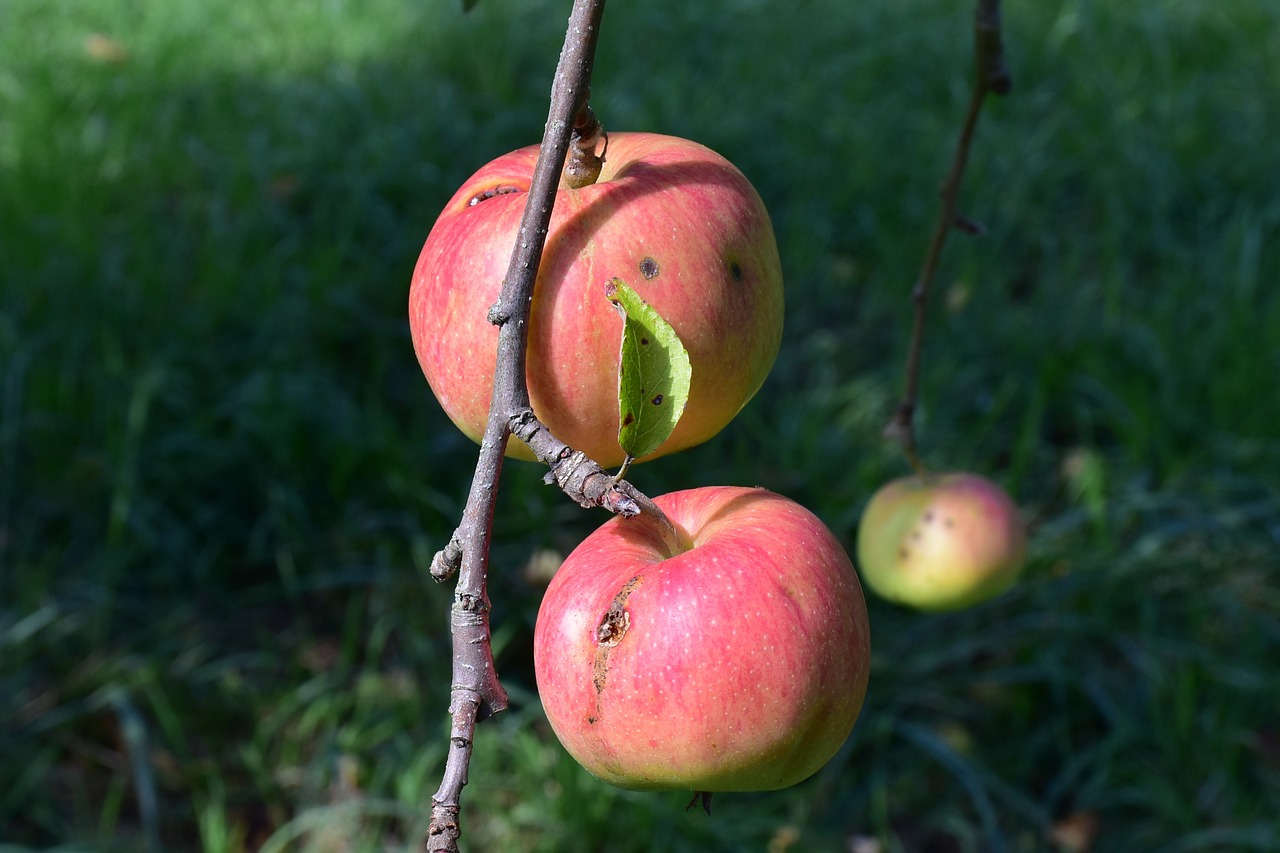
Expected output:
(473, 604)
(582, 165)
(581, 479)
(447, 560)
(498, 314)
(443, 834)
(524, 425)
(618, 502)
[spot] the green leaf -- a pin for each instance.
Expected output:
(653, 374)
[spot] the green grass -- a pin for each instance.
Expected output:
(222, 477)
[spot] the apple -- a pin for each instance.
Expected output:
(730, 657)
(941, 542)
(673, 219)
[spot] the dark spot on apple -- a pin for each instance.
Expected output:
(735, 270)
(490, 193)
(928, 517)
(949, 522)
(649, 269)
(657, 400)
(903, 553)
(628, 419)
(591, 721)
(644, 342)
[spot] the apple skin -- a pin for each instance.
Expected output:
(673, 219)
(744, 659)
(941, 542)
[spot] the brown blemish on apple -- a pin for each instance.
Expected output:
(505, 189)
(735, 270)
(649, 269)
(612, 628)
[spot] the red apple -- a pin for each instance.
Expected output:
(674, 220)
(735, 659)
(941, 542)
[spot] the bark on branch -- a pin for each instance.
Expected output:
(476, 692)
(991, 77)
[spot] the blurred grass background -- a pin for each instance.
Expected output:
(222, 476)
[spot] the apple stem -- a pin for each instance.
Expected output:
(590, 485)
(476, 692)
(676, 540)
(992, 77)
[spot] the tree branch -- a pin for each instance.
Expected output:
(476, 692)
(586, 482)
(991, 77)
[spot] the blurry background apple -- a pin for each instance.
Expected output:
(670, 217)
(736, 660)
(940, 542)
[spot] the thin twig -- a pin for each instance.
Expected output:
(991, 77)
(476, 692)
(584, 481)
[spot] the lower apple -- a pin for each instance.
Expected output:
(941, 542)
(734, 658)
